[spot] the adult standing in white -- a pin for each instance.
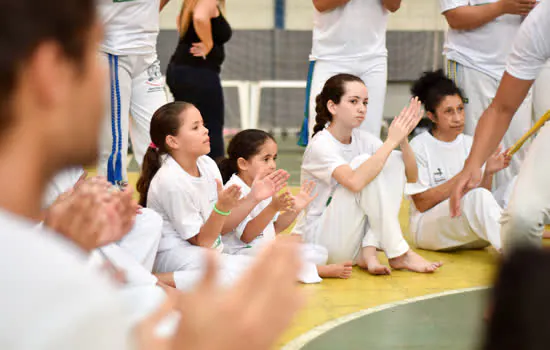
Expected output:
(349, 36)
(529, 207)
(480, 37)
(136, 83)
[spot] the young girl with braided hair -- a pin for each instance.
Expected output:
(360, 181)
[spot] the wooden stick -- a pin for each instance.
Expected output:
(529, 133)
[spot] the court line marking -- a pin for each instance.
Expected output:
(307, 337)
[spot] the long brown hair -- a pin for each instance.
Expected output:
(186, 14)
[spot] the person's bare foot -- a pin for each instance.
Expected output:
(413, 262)
(369, 261)
(546, 234)
(342, 270)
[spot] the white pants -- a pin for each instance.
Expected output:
(367, 218)
(142, 242)
(143, 301)
(477, 227)
(529, 208)
(311, 256)
(479, 89)
(541, 102)
(374, 72)
(136, 89)
(188, 264)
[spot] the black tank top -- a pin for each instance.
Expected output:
(221, 33)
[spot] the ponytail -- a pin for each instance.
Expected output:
(228, 167)
(151, 165)
(333, 90)
(322, 116)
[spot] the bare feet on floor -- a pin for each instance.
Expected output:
(369, 261)
(342, 270)
(414, 262)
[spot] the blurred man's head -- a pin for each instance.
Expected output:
(51, 79)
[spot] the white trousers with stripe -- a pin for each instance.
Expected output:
(367, 218)
(373, 72)
(479, 89)
(136, 91)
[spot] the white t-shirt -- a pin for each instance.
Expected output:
(485, 48)
(322, 156)
(50, 299)
(62, 182)
(185, 202)
(232, 241)
(354, 30)
(437, 162)
(131, 26)
(531, 48)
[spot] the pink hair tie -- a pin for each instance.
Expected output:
(153, 146)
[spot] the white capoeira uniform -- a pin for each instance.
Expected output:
(185, 203)
(529, 208)
(349, 39)
(342, 221)
(136, 82)
(434, 229)
(312, 255)
(475, 61)
(50, 298)
(141, 242)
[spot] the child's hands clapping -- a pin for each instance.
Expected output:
(228, 198)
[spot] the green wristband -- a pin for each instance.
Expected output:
(222, 213)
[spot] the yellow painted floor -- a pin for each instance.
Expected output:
(335, 298)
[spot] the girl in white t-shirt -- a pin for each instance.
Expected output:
(440, 155)
(252, 154)
(360, 181)
(184, 186)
